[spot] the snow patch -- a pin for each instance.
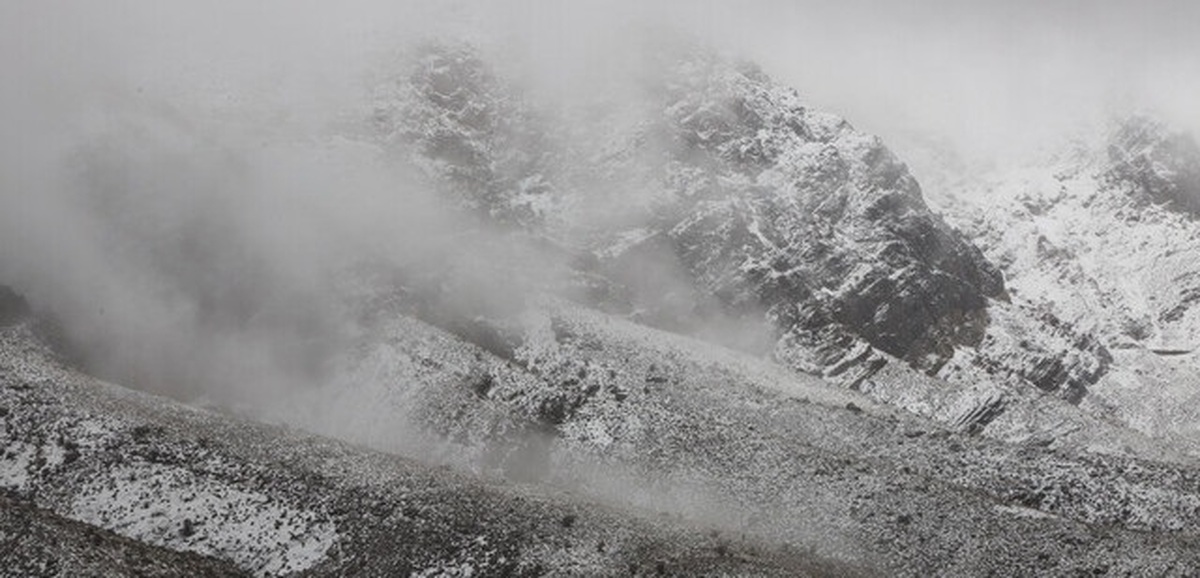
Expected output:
(177, 509)
(15, 461)
(1022, 512)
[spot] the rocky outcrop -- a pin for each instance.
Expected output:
(773, 207)
(1098, 247)
(182, 487)
(758, 208)
(753, 221)
(1158, 164)
(617, 410)
(450, 115)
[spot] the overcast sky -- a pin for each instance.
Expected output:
(987, 74)
(983, 74)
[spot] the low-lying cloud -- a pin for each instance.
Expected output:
(181, 182)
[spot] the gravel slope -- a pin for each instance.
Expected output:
(275, 502)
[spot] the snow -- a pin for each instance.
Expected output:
(1022, 512)
(15, 462)
(1098, 256)
(182, 510)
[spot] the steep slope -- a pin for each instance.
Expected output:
(772, 207)
(1104, 238)
(767, 206)
(717, 205)
(274, 502)
(758, 224)
(621, 412)
(35, 542)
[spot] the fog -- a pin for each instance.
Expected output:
(993, 78)
(181, 182)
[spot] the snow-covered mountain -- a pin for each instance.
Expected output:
(705, 329)
(760, 224)
(765, 206)
(1103, 236)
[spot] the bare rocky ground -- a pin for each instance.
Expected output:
(691, 429)
(270, 501)
(711, 462)
(35, 542)
(572, 443)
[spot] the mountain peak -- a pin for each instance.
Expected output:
(1155, 162)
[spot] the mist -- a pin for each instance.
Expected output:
(183, 183)
(190, 190)
(994, 79)
(175, 195)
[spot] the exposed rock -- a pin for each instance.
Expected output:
(773, 207)
(681, 426)
(1157, 163)
(267, 501)
(1098, 248)
(13, 307)
(451, 115)
(36, 543)
(759, 209)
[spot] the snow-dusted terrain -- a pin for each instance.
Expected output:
(704, 331)
(273, 502)
(1103, 237)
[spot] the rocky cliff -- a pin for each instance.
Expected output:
(759, 223)
(1101, 237)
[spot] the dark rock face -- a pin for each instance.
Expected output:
(1055, 356)
(463, 125)
(775, 207)
(1156, 162)
(760, 210)
(716, 204)
(13, 306)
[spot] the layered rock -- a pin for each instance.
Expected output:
(716, 204)
(1155, 162)
(1100, 241)
(755, 208)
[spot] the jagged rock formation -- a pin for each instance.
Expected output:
(1155, 162)
(761, 225)
(758, 223)
(449, 114)
(788, 210)
(1099, 242)
(768, 210)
